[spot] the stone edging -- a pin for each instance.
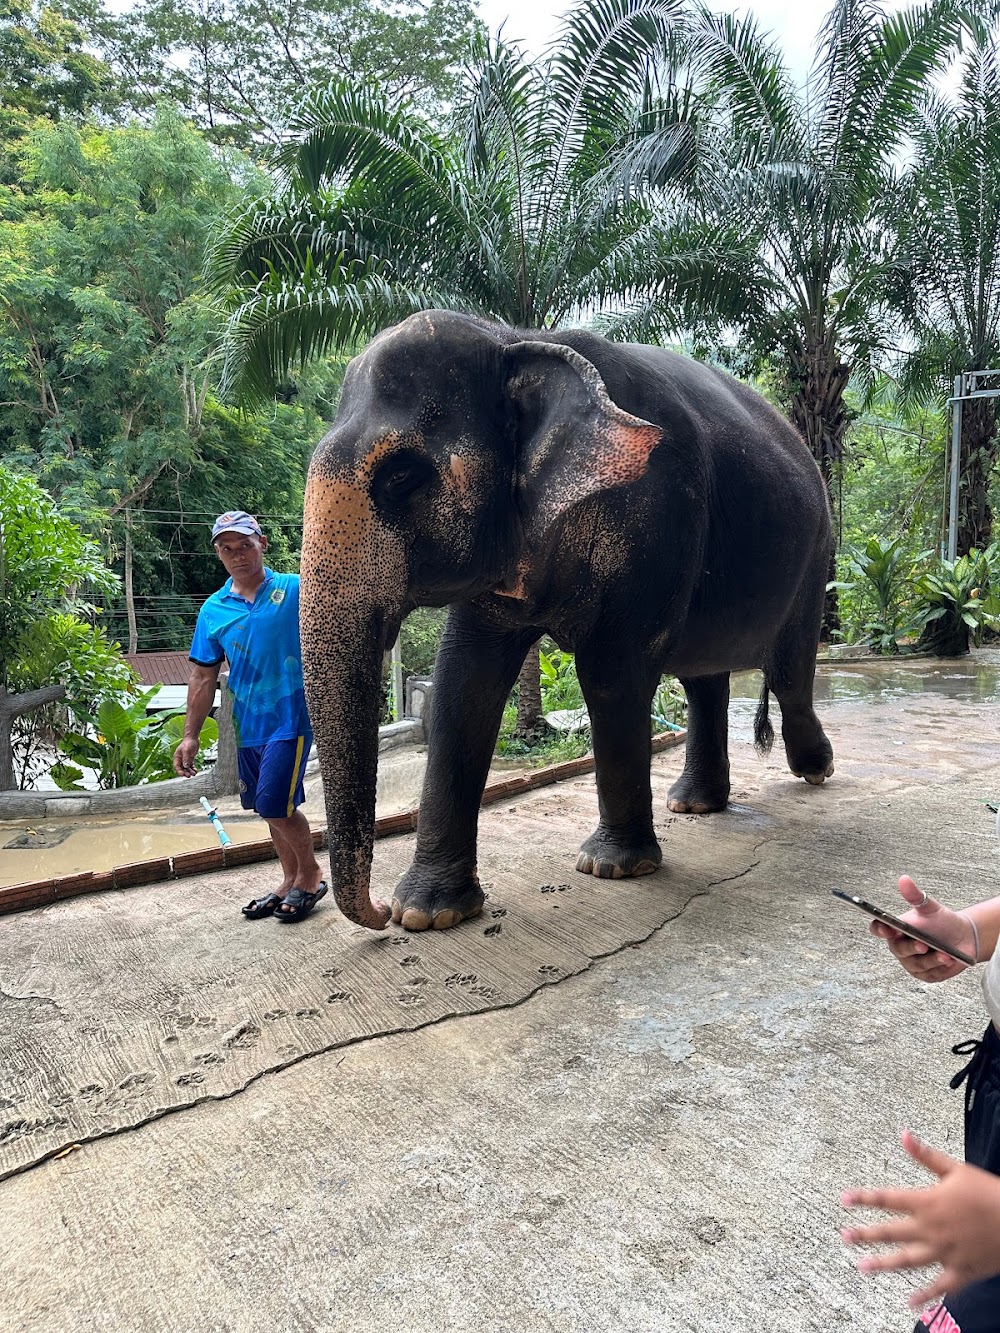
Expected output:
(161, 795)
(39, 893)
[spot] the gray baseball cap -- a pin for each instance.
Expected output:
(236, 520)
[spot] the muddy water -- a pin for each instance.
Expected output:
(965, 678)
(43, 849)
(40, 849)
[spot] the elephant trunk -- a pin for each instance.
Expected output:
(344, 630)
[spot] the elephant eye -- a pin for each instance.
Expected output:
(400, 477)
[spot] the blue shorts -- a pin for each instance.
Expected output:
(271, 776)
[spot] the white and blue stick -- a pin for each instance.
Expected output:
(224, 837)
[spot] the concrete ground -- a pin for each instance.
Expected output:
(602, 1106)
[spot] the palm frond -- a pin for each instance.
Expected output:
(875, 70)
(744, 70)
(283, 323)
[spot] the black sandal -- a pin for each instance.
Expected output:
(258, 907)
(300, 902)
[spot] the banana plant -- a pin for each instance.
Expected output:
(123, 745)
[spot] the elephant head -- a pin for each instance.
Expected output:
(456, 448)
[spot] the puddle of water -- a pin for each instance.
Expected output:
(963, 680)
(100, 846)
(67, 846)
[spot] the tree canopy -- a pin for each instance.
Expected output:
(236, 67)
(49, 647)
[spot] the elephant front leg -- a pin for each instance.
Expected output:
(475, 670)
(624, 844)
(704, 784)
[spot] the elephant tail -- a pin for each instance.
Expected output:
(763, 732)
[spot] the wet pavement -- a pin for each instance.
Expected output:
(44, 849)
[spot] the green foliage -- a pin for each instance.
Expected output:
(892, 479)
(524, 205)
(46, 568)
(946, 207)
(106, 333)
(232, 66)
(550, 748)
(880, 585)
(560, 686)
(48, 571)
(45, 68)
(124, 745)
(108, 364)
(420, 638)
(669, 705)
(561, 690)
(956, 599)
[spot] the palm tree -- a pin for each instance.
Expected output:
(524, 208)
(949, 226)
(805, 169)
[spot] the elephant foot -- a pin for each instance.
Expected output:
(609, 857)
(815, 779)
(694, 795)
(807, 749)
(422, 902)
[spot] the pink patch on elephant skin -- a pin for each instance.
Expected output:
(625, 457)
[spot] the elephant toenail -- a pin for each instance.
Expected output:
(446, 919)
(397, 911)
(415, 919)
(584, 864)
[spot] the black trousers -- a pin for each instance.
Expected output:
(976, 1308)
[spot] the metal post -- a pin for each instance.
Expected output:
(956, 452)
(397, 681)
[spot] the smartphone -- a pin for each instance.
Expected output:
(904, 927)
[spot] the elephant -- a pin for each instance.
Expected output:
(646, 510)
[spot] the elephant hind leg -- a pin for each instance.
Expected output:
(790, 672)
(704, 784)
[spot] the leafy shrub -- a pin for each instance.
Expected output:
(878, 592)
(957, 599)
(124, 745)
(560, 686)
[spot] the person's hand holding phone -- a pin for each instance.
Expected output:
(919, 959)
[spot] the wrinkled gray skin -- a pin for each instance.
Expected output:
(648, 512)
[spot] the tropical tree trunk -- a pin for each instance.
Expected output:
(529, 697)
(979, 453)
(817, 380)
(11, 707)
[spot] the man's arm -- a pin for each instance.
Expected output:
(200, 698)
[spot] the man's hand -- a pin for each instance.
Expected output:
(184, 757)
(919, 959)
(955, 1223)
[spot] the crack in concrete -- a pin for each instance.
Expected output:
(33, 999)
(160, 1112)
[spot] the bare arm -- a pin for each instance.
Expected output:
(200, 698)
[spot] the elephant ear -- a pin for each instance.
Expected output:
(574, 441)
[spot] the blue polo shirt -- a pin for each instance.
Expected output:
(260, 641)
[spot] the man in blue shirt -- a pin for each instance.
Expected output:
(253, 622)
